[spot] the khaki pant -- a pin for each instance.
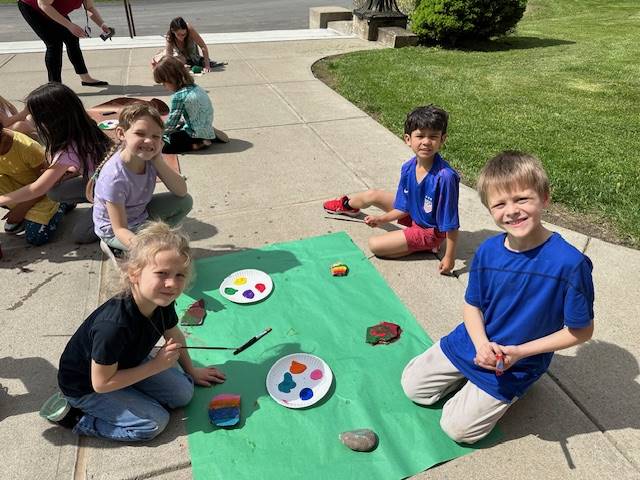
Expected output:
(470, 414)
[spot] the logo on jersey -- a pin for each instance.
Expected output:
(428, 206)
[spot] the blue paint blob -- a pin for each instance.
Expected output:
(248, 294)
(306, 394)
(287, 384)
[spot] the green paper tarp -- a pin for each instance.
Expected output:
(309, 311)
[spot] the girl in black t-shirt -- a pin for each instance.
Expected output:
(115, 388)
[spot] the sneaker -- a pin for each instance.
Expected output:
(114, 254)
(340, 206)
(13, 228)
(57, 410)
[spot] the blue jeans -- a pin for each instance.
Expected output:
(135, 413)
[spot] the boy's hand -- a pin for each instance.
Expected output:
(446, 265)
(168, 355)
(373, 221)
(207, 376)
(486, 356)
(511, 355)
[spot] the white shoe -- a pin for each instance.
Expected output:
(114, 254)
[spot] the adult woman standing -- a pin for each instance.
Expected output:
(49, 19)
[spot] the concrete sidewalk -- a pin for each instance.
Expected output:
(295, 143)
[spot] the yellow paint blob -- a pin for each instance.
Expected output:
(240, 281)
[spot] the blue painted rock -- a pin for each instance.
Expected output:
(224, 410)
(361, 440)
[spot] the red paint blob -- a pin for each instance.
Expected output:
(260, 287)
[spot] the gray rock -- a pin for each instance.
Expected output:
(361, 440)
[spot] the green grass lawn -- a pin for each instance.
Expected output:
(565, 87)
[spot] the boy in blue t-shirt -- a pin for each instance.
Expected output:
(530, 293)
(426, 201)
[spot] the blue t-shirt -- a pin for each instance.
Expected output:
(522, 296)
(434, 201)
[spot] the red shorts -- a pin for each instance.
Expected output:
(421, 238)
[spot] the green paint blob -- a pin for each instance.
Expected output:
(230, 291)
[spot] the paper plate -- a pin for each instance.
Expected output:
(108, 124)
(246, 286)
(299, 380)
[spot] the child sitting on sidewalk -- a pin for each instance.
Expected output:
(123, 196)
(530, 293)
(426, 201)
(116, 388)
(190, 123)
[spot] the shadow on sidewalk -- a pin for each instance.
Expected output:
(128, 90)
(600, 380)
(38, 377)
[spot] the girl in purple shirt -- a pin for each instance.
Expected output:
(123, 196)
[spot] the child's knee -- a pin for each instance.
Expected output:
(36, 238)
(376, 245)
(373, 195)
(416, 393)
(182, 396)
(459, 431)
(414, 387)
(149, 426)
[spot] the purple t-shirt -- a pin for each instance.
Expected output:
(117, 184)
(70, 159)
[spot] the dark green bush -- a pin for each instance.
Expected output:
(450, 21)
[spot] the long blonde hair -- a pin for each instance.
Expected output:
(153, 238)
(128, 116)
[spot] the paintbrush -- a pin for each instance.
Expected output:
(251, 342)
(235, 350)
(347, 219)
(210, 348)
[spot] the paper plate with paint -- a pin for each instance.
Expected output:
(246, 286)
(299, 380)
(108, 124)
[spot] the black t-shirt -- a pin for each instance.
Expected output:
(114, 333)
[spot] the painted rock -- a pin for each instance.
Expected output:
(361, 440)
(224, 410)
(195, 314)
(339, 270)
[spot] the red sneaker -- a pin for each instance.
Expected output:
(337, 207)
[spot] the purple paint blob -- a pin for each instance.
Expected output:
(316, 375)
(306, 394)
(248, 294)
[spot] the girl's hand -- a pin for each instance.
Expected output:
(207, 376)
(168, 355)
(486, 355)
